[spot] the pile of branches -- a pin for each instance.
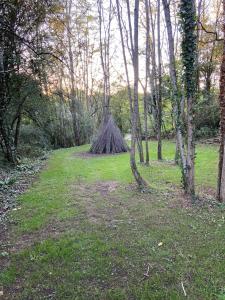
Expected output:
(109, 139)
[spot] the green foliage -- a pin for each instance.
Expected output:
(7, 181)
(206, 132)
(33, 136)
(207, 116)
(189, 44)
(120, 109)
(86, 127)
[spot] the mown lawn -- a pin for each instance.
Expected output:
(84, 232)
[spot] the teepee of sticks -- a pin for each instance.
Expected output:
(109, 139)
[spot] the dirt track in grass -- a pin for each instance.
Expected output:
(95, 236)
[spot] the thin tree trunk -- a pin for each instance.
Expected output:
(221, 167)
(136, 174)
(17, 131)
(139, 131)
(176, 104)
(147, 65)
(75, 109)
(159, 100)
(8, 144)
(153, 73)
(190, 148)
(132, 100)
(104, 55)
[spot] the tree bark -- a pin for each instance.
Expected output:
(138, 127)
(135, 119)
(75, 106)
(221, 167)
(133, 100)
(177, 100)
(189, 59)
(104, 42)
(159, 100)
(147, 65)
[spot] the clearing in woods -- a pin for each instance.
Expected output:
(84, 232)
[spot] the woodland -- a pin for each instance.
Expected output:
(112, 160)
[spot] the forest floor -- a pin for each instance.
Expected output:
(83, 231)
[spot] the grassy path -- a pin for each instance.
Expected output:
(84, 232)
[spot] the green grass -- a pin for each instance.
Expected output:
(75, 240)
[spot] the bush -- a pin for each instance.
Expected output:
(33, 142)
(207, 118)
(29, 151)
(206, 132)
(33, 136)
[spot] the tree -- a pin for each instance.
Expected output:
(159, 98)
(133, 97)
(189, 49)
(175, 89)
(189, 44)
(130, 45)
(221, 169)
(19, 21)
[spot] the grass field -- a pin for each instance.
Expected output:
(83, 231)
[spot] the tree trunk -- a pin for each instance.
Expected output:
(75, 107)
(134, 110)
(135, 119)
(104, 43)
(221, 168)
(8, 144)
(159, 100)
(17, 131)
(147, 65)
(153, 73)
(189, 59)
(190, 189)
(138, 127)
(6, 64)
(177, 100)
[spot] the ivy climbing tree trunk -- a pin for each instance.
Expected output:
(221, 168)
(8, 56)
(189, 55)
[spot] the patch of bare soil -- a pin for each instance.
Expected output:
(91, 155)
(207, 191)
(106, 187)
(205, 197)
(178, 199)
(100, 202)
(87, 199)
(52, 230)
